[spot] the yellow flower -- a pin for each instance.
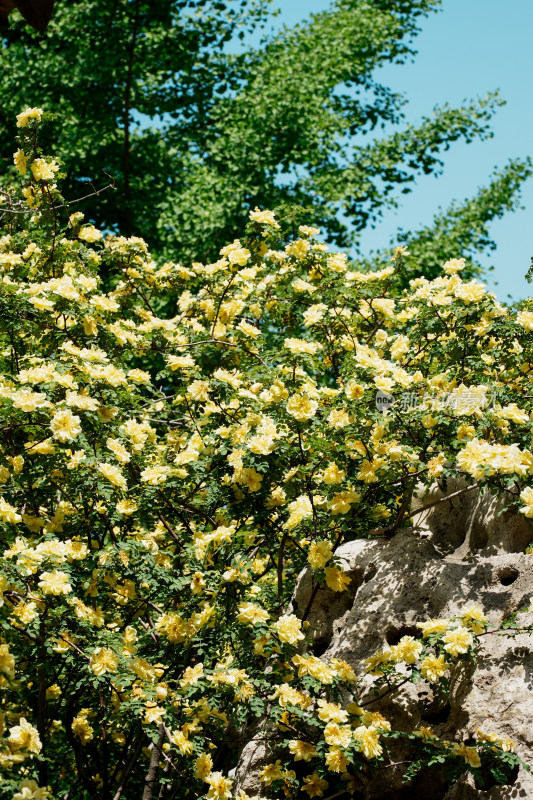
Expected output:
(20, 161)
(457, 641)
(262, 445)
(435, 465)
(338, 418)
(247, 329)
(288, 628)
(527, 497)
(407, 650)
(368, 471)
(368, 740)
(299, 509)
(315, 313)
(65, 426)
(112, 474)
(433, 668)
(311, 665)
(155, 475)
(332, 474)
(55, 582)
(335, 734)
(103, 660)
(474, 619)
(341, 503)
(454, 265)
(180, 362)
(470, 754)
(471, 292)
(30, 113)
(336, 579)
(331, 712)
(298, 249)
(314, 785)
(301, 346)
(272, 772)
(374, 662)
(89, 234)
(336, 761)
(192, 675)
(29, 790)
(126, 507)
(301, 407)
(203, 766)
(24, 736)
(432, 626)
(302, 751)
(81, 726)
(251, 613)
(525, 319)
(7, 661)
(320, 553)
(43, 170)
(8, 513)
(263, 217)
(252, 479)
(155, 714)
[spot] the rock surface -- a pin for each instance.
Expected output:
(461, 552)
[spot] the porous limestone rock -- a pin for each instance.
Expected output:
(463, 551)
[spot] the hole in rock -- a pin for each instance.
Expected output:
(437, 715)
(319, 647)
(394, 634)
(508, 575)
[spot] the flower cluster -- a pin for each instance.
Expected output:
(178, 443)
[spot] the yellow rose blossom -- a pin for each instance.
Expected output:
(332, 474)
(55, 582)
(20, 161)
(319, 554)
(470, 754)
(302, 751)
(368, 741)
(43, 170)
(474, 619)
(525, 319)
(251, 613)
(65, 426)
(433, 668)
(335, 734)
(336, 760)
(24, 736)
(30, 113)
(457, 641)
(112, 474)
(314, 785)
(288, 629)
(103, 660)
(302, 407)
(336, 579)
(432, 626)
(331, 712)
(299, 509)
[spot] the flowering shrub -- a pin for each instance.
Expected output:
(178, 442)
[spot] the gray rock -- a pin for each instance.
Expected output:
(461, 552)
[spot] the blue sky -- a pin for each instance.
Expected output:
(468, 48)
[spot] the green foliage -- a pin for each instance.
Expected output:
(295, 121)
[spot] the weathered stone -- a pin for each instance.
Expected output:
(461, 552)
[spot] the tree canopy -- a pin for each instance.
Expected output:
(166, 476)
(196, 132)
